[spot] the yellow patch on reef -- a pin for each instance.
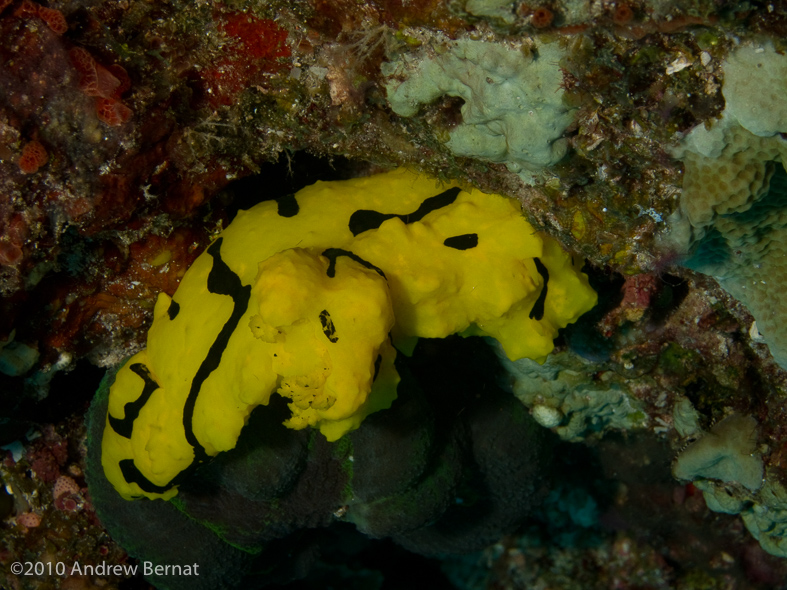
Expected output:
(311, 296)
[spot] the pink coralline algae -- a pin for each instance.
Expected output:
(29, 520)
(53, 18)
(33, 156)
(67, 494)
(107, 85)
(638, 293)
(64, 485)
(15, 233)
(47, 455)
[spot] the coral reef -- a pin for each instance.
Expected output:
(131, 135)
(596, 537)
(734, 188)
(54, 514)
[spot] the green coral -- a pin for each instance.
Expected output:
(764, 513)
(501, 11)
(766, 519)
(513, 109)
(755, 83)
(734, 200)
(726, 453)
(727, 467)
(560, 397)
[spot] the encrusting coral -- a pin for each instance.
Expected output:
(513, 109)
(727, 452)
(734, 190)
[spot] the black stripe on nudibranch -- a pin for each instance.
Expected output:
(377, 362)
(131, 410)
(333, 253)
(287, 206)
(537, 313)
(221, 281)
(327, 326)
(463, 242)
(173, 309)
(132, 474)
(366, 219)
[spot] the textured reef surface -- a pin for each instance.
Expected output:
(559, 362)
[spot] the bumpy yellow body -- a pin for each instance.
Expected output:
(310, 296)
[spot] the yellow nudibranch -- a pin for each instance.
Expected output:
(311, 296)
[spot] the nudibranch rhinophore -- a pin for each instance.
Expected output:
(311, 296)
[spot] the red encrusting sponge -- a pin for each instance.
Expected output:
(105, 84)
(33, 156)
